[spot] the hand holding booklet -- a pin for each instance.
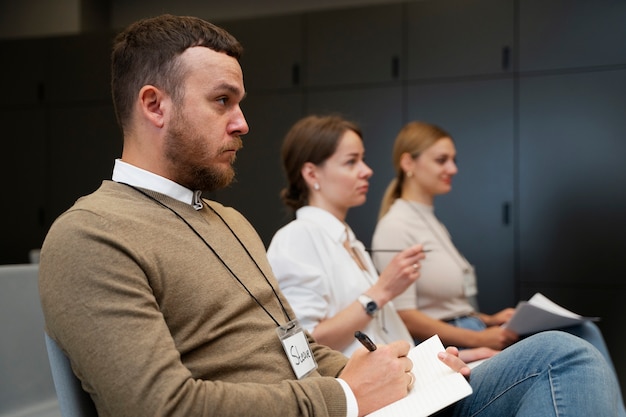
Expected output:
(436, 385)
(539, 314)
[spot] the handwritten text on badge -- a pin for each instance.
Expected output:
(299, 354)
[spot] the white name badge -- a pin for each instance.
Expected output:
(470, 288)
(297, 348)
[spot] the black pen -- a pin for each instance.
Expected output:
(365, 340)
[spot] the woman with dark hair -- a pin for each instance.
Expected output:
(321, 267)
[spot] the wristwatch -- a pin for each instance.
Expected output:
(368, 304)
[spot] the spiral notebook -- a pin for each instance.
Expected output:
(436, 385)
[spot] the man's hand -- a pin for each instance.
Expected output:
(380, 377)
(499, 318)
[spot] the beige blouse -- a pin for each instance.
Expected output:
(440, 291)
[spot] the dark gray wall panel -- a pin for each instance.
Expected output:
(572, 177)
(479, 116)
(459, 38)
(560, 34)
(84, 141)
(23, 183)
(353, 46)
(23, 69)
(273, 51)
(78, 68)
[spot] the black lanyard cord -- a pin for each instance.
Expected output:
(220, 258)
(253, 260)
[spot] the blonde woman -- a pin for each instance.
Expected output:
(424, 158)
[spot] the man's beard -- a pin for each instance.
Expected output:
(182, 148)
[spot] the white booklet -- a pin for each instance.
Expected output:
(436, 385)
(539, 314)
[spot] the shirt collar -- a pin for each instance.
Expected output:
(137, 177)
(332, 225)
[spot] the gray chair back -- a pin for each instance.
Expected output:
(73, 400)
(26, 386)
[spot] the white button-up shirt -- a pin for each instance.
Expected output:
(319, 277)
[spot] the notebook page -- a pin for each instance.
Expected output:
(436, 386)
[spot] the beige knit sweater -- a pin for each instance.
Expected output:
(156, 325)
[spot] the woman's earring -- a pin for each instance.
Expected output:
(409, 174)
(316, 187)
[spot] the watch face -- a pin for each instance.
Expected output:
(368, 304)
(371, 307)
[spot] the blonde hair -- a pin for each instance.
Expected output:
(413, 138)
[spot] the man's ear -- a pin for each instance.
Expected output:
(152, 104)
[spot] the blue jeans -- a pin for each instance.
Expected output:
(592, 334)
(468, 322)
(588, 331)
(547, 374)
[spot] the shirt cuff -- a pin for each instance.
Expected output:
(351, 404)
